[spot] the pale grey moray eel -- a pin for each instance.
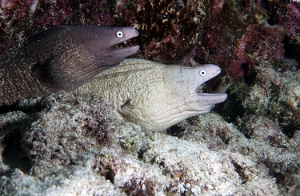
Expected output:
(154, 95)
(61, 58)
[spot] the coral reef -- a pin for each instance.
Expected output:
(270, 152)
(88, 124)
(76, 145)
(291, 23)
(272, 93)
(263, 43)
(169, 29)
(239, 36)
(270, 132)
(71, 145)
(236, 35)
(79, 181)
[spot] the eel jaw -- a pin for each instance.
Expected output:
(198, 99)
(116, 55)
(200, 103)
(212, 98)
(211, 72)
(104, 43)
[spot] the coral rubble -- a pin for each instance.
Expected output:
(272, 93)
(76, 145)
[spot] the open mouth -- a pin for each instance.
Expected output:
(202, 89)
(211, 86)
(212, 95)
(127, 48)
(206, 89)
(118, 52)
(122, 46)
(125, 44)
(124, 51)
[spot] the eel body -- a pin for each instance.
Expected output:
(153, 95)
(61, 58)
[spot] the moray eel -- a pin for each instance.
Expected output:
(153, 95)
(61, 58)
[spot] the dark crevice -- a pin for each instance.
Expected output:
(14, 156)
(288, 130)
(110, 175)
(291, 50)
(240, 171)
(24, 107)
(249, 73)
(142, 151)
(7, 108)
(176, 131)
(226, 110)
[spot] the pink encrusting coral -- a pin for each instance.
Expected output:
(291, 21)
(169, 29)
(238, 37)
(259, 43)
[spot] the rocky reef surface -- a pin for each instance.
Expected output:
(250, 145)
(70, 145)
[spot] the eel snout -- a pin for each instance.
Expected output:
(104, 43)
(188, 88)
(205, 73)
(118, 54)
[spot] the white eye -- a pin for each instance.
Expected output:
(119, 34)
(202, 72)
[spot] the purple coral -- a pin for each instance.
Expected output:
(168, 29)
(257, 44)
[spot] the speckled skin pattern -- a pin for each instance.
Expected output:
(61, 59)
(154, 95)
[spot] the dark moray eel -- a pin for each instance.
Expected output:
(61, 58)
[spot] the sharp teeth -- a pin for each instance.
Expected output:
(200, 88)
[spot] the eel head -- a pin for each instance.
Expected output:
(71, 56)
(101, 41)
(186, 83)
(182, 97)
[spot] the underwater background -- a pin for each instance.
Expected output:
(249, 145)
